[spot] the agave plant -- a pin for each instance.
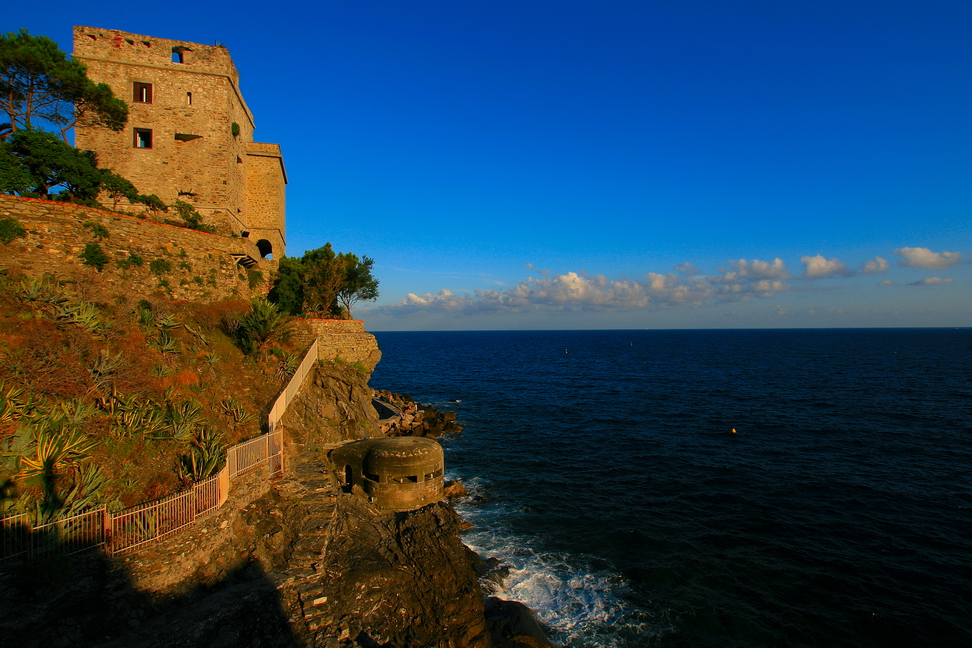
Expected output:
(82, 313)
(15, 402)
(55, 450)
(85, 492)
(206, 456)
(136, 415)
(44, 290)
(183, 419)
(165, 343)
(236, 411)
(104, 365)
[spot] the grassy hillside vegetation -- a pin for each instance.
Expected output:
(111, 401)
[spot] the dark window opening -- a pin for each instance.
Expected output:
(186, 137)
(143, 138)
(92, 37)
(239, 160)
(412, 478)
(147, 43)
(371, 477)
(129, 41)
(142, 92)
(178, 55)
(266, 248)
(348, 476)
(188, 98)
(187, 193)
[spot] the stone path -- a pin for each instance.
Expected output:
(319, 486)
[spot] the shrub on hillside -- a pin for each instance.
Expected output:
(10, 228)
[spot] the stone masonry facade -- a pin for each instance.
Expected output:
(189, 135)
(201, 266)
(343, 340)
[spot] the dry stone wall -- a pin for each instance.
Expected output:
(200, 266)
(344, 340)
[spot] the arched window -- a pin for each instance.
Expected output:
(266, 248)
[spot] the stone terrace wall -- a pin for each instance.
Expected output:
(202, 267)
(343, 340)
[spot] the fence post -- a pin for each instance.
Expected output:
(106, 531)
(224, 484)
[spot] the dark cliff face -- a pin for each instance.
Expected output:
(334, 408)
(396, 579)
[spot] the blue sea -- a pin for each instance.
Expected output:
(606, 473)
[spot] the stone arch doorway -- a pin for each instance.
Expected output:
(266, 248)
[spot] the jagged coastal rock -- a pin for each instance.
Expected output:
(297, 561)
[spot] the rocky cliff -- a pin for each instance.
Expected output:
(291, 562)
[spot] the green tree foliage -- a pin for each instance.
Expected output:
(38, 83)
(359, 284)
(287, 291)
(50, 163)
(323, 283)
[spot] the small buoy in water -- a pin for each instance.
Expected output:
(733, 430)
(565, 350)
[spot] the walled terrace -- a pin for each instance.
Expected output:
(189, 264)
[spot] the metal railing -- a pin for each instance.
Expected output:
(144, 523)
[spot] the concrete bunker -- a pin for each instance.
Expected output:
(399, 473)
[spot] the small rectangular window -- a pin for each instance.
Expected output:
(143, 138)
(177, 55)
(188, 98)
(142, 92)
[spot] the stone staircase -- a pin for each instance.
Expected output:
(317, 488)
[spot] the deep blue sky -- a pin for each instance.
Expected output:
(549, 164)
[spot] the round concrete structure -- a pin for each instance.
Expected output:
(398, 473)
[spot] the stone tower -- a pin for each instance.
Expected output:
(189, 134)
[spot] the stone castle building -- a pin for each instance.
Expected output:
(190, 133)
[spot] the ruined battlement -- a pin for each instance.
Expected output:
(164, 53)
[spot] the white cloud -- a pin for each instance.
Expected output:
(931, 281)
(687, 269)
(817, 267)
(573, 291)
(878, 266)
(757, 269)
(917, 257)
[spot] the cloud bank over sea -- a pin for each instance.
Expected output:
(740, 280)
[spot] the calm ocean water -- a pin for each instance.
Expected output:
(608, 477)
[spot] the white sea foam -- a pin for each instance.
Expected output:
(579, 605)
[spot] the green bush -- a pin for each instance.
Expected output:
(259, 328)
(10, 228)
(94, 256)
(160, 266)
(133, 261)
(98, 230)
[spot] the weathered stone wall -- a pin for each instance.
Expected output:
(342, 340)
(190, 110)
(266, 195)
(202, 267)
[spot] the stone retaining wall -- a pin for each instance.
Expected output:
(201, 265)
(343, 340)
